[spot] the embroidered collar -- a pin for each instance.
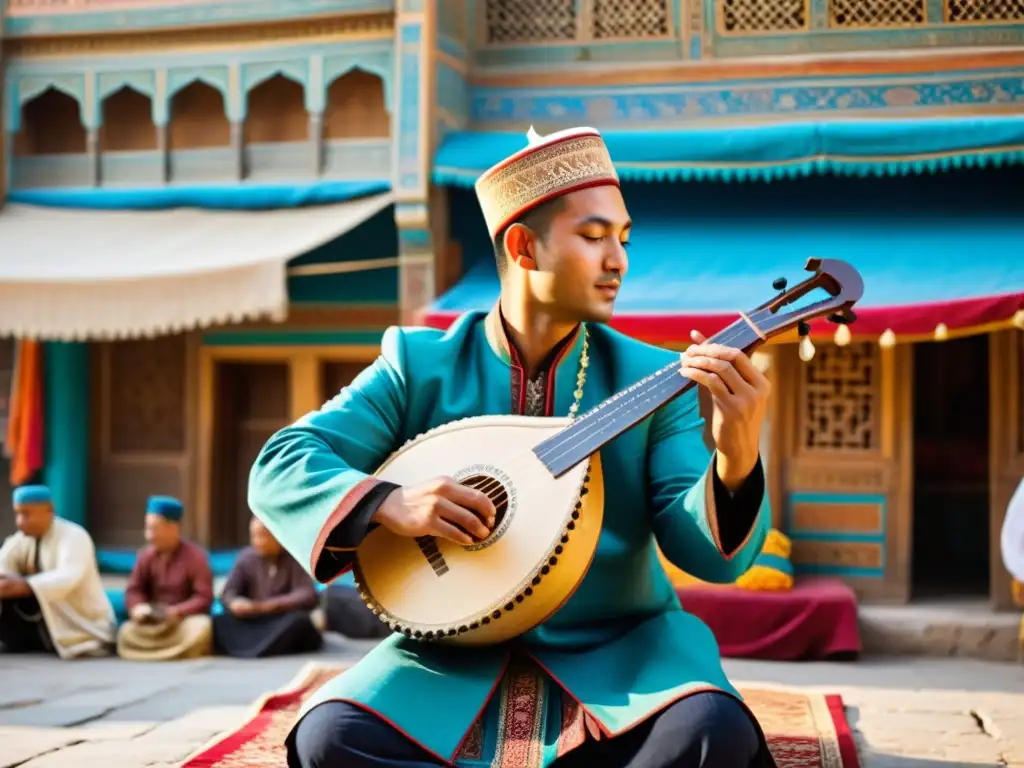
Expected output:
(503, 344)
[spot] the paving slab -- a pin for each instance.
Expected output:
(906, 712)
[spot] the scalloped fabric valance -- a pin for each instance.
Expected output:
(879, 147)
(97, 274)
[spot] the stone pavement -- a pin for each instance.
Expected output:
(106, 713)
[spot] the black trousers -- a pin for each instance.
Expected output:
(704, 730)
(261, 636)
(348, 615)
(22, 629)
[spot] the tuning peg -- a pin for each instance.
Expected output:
(803, 328)
(843, 318)
(779, 283)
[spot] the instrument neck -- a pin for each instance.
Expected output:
(599, 426)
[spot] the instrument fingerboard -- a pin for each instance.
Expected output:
(585, 436)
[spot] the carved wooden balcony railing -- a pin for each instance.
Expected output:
(767, 17)
(510, 32)
(521, 22)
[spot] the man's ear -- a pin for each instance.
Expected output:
(519, 246)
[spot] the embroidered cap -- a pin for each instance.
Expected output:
(548, 167)
(167, 507)
(31, 494)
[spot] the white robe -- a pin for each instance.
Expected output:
(78, 615)
(1012, 538)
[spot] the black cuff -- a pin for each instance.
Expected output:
(351, 531)
(737, 512)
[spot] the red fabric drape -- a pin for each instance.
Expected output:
(25, 420)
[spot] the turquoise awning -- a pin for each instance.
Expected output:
(939, 250)
(881, 147)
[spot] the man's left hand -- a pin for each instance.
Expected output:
(740, 395)
(12, 587)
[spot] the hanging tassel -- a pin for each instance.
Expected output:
(887, 339)
(941, 332)
(1018, 319)
(805, 348)
(843, 335)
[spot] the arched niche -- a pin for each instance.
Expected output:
(198, 118)
(276, 112)
(127, 122)
(356, 107)
(51, 124)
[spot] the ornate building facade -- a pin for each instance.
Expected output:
(221, 205)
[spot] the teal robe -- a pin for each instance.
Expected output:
(621, 649)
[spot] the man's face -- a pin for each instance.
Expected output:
(262, 540)
(582, 260)
(163, 534)
(33, 519)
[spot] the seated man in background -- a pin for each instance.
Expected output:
(51, 596)
(169, 593)
(1012, 546)
(268, 599)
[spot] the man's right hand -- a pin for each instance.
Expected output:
(142, 612)
(439, 507)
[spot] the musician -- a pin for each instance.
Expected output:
(621, 674)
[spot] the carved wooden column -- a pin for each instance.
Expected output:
(316, 142)
(236, 116)
(316, 103)
(164, 149)
(92, 117)
(1006, 448)
(161, 119)
(92, 150)
(412, 140)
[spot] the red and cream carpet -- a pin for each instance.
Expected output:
(804, 730)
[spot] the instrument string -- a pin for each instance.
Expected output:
(729, 335)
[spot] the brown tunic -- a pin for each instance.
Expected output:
(180, 581)
(281, 582)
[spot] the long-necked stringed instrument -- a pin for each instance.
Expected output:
(544, 477)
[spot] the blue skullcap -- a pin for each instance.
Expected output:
(31, 494)
(166, 506)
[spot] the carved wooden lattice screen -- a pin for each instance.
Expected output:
(841, 408)
(979, 11)
(515, 22)
(751, 17)
(861, 14)
(631, 18)
(140, 438)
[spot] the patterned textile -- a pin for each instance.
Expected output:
(548, 167)
(804, 730)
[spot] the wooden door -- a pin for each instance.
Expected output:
(253, 401)
(1006, 370)
(844, 463)
(140, 435)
